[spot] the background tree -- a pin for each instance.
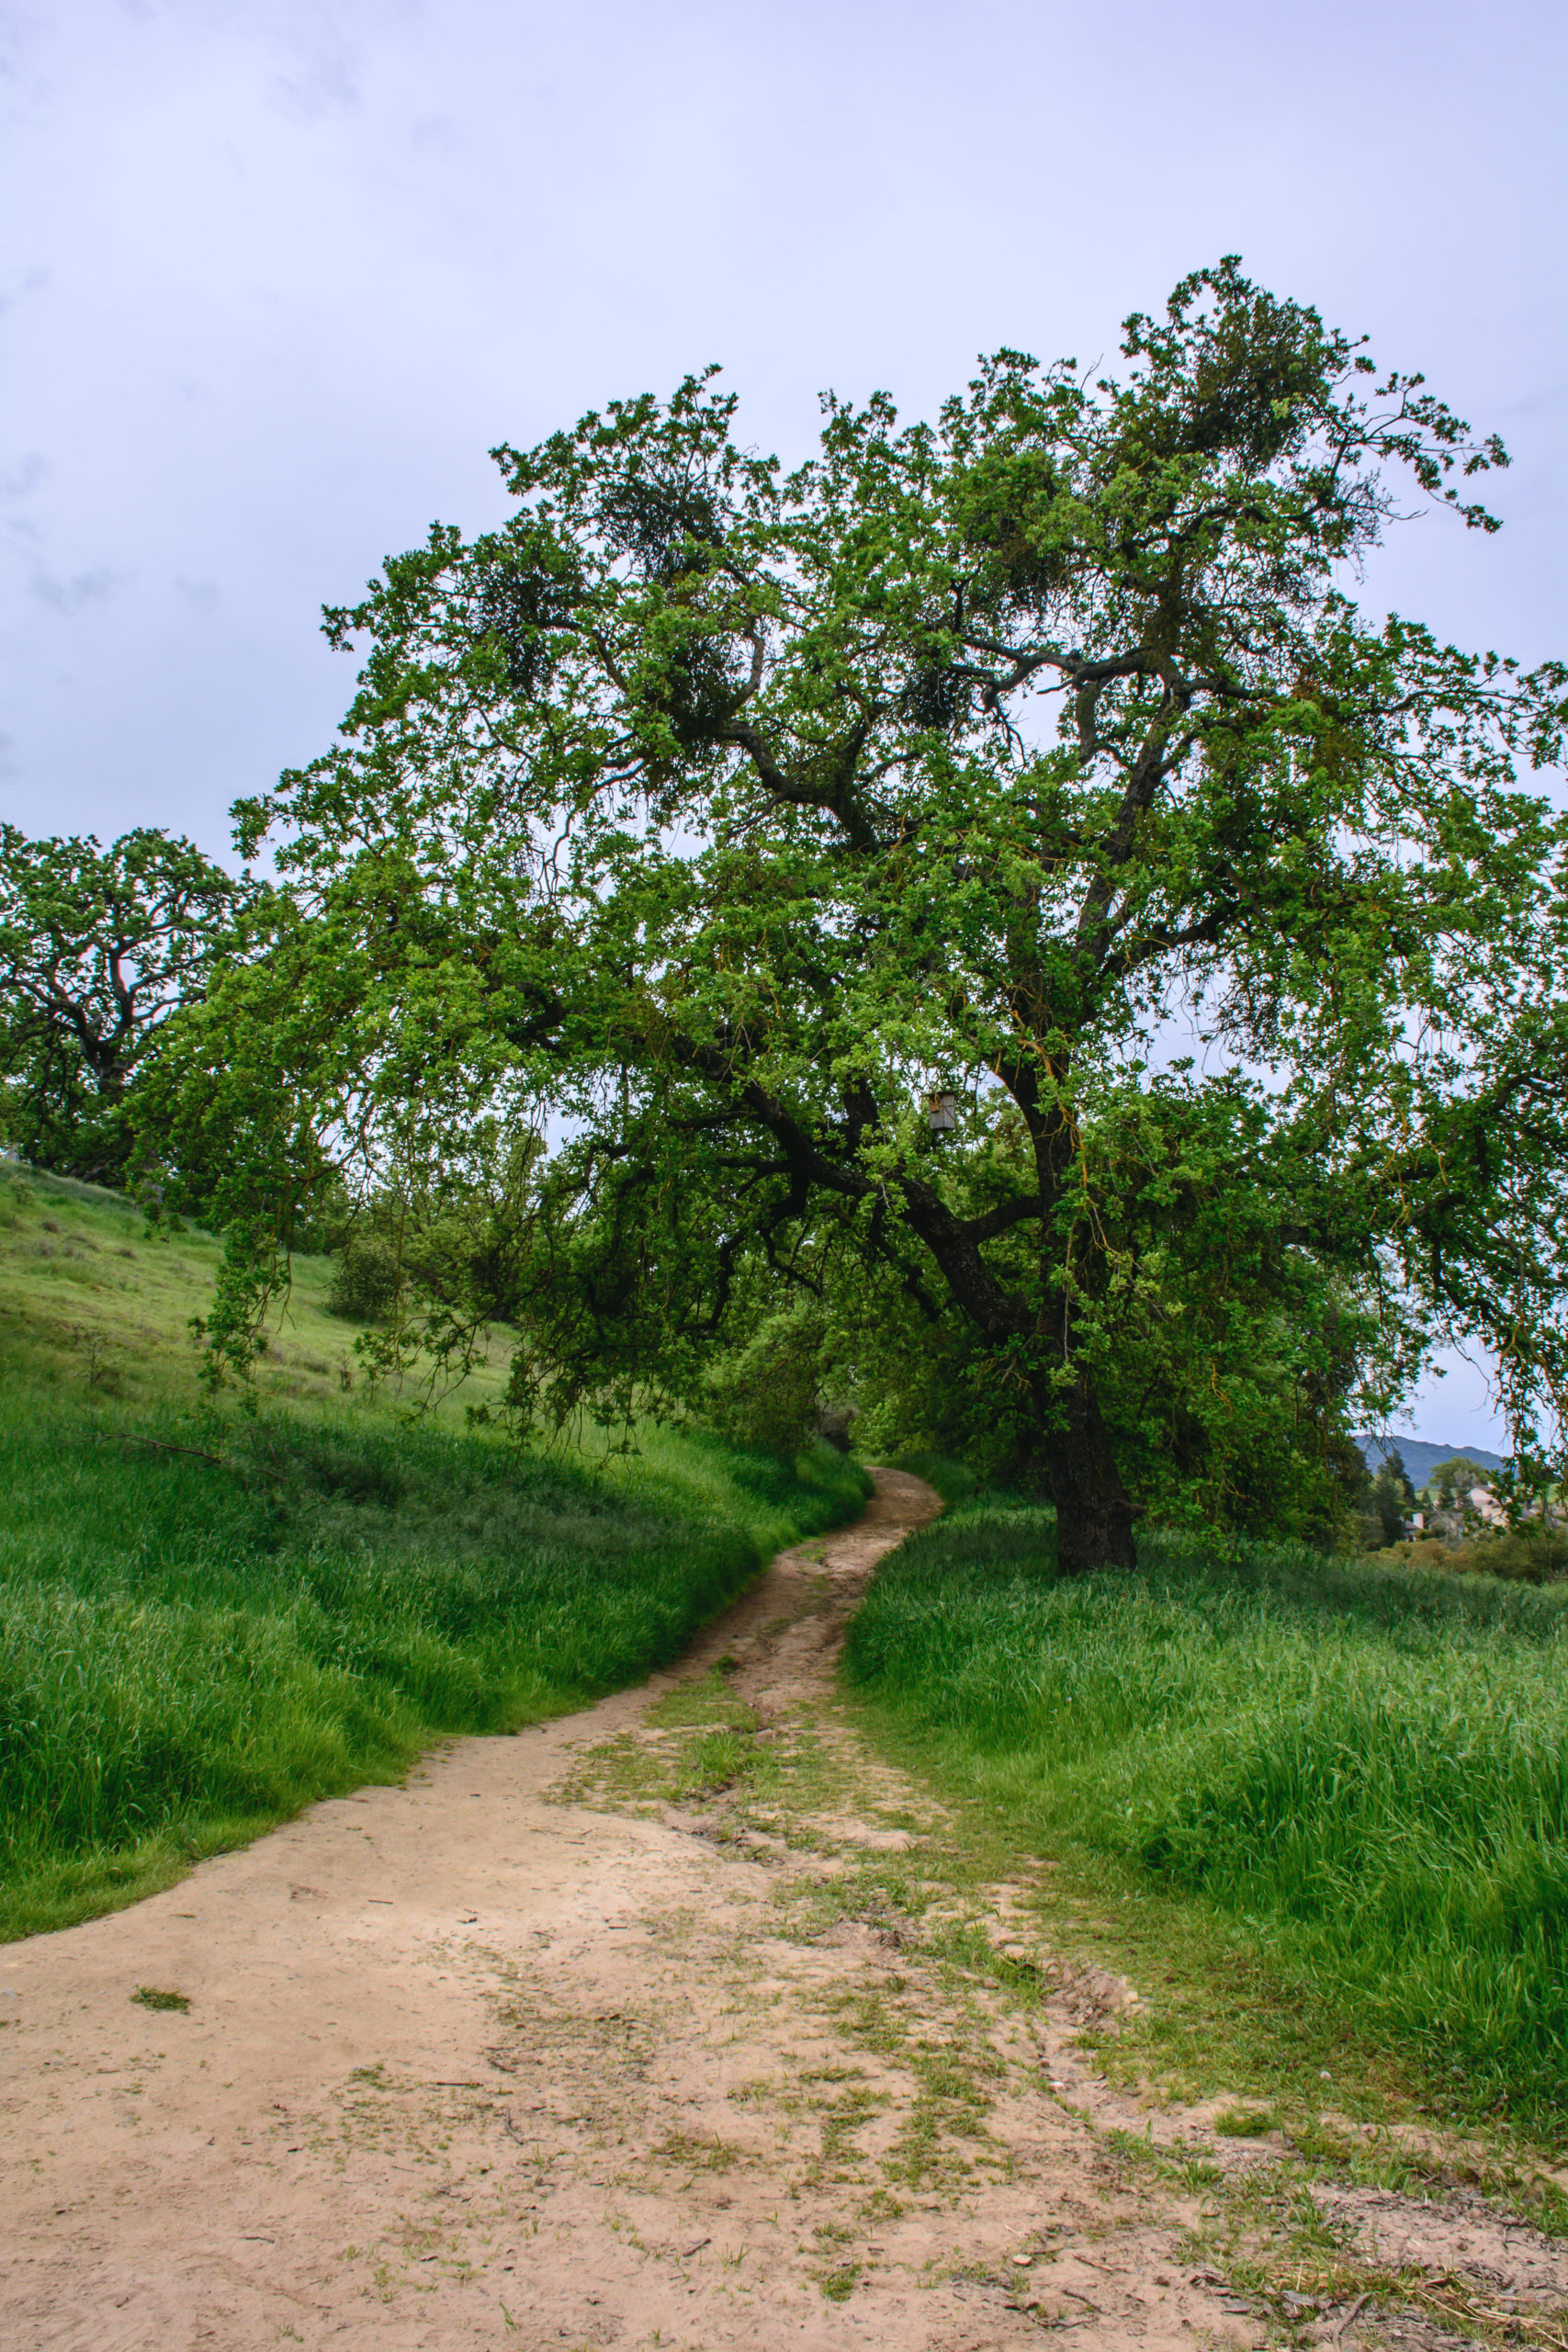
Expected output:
(97, 947)
(1452, 1482)
(1393, 1496)
(737, 815)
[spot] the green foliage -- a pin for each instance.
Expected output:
(1393, 1496)
(1366, 1768)
(1529, 1555)
(1226, 1354)
(1537, 1553)
(97, 949)
(766, 1392)
(733, 816)
(1451, 1481)
(366, 1280)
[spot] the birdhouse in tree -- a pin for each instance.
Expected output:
(942, 1113)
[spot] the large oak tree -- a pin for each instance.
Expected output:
(795, 835)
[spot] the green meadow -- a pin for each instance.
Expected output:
(1360, 1774)
(210, 1623)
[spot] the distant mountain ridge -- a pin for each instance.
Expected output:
(1421, 1459)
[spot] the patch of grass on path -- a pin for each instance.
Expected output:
(1337, 1800)
(954, 1481)
(194, 1647)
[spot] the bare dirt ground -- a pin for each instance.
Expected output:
(650, 2027)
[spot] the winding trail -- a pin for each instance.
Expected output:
(650, 2026)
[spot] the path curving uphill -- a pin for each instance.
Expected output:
(630, 2029)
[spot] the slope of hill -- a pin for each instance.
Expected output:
(91, 1305)
(1421, 1457)
(213, 1620)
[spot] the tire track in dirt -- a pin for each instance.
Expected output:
(628, 2030)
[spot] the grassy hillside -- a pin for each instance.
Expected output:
(90, 1306)
(207, 1624)
(1363, 1772)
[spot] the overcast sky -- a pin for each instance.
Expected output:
(276, 278)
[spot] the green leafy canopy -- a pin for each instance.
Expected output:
(726, 814)
(97, 947)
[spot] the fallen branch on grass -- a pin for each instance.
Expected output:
(160, 1445)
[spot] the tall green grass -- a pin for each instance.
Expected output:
(190, 1650)
(954, 1481)
(1367, 1769)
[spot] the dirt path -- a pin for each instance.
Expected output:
(649, 2026)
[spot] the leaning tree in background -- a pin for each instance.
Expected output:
(832, 850)
(97, 947)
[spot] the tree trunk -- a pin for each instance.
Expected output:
(1094, 1516)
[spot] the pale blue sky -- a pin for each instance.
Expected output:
(276, 278)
